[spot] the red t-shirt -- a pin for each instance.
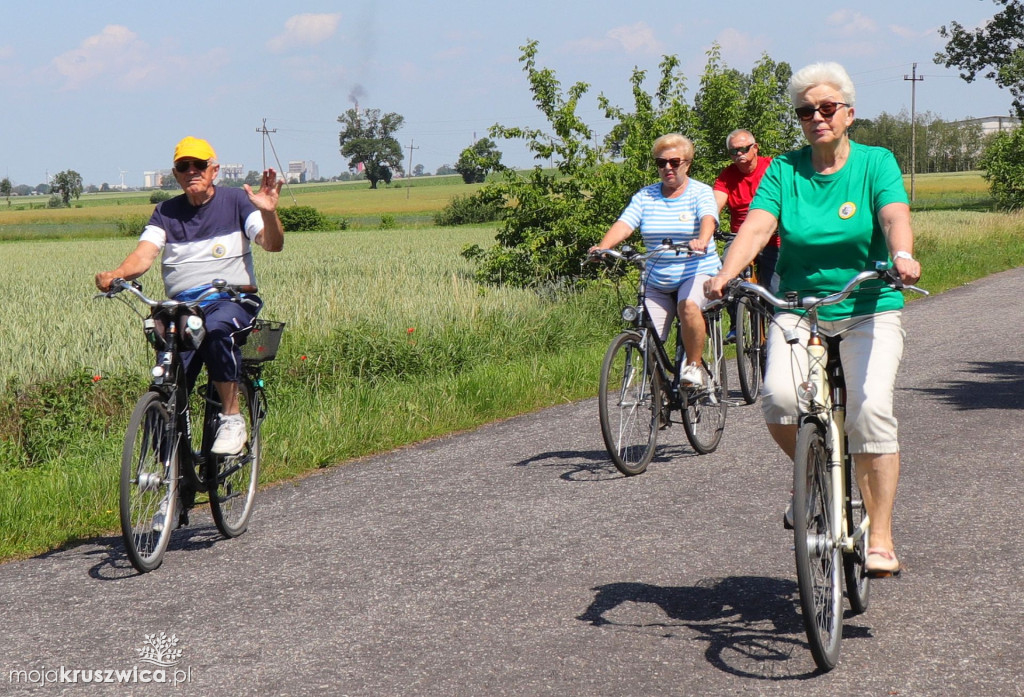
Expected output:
(739, 189)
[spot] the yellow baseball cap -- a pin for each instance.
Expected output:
(196, 148)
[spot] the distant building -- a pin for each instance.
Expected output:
(302, 170)
(154, 179)
(232, 171)
(992, 124)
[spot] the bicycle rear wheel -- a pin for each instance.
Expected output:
(705, 407)
(629, 404)
(149, 479)
(858, 583)
(233, 485)
(749, 349)
(817, 556)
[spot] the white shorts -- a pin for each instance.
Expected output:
(871, 351)
(661, 305)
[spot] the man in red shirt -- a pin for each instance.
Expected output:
(735, 188)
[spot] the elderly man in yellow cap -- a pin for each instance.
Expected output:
(206, 234)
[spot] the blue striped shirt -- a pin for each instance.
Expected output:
(677, 219)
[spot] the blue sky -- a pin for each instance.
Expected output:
(103, 87)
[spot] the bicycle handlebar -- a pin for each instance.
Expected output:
(628, 254)
(793, 302)
(219, 285)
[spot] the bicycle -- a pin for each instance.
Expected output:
(829, 531)
(751, 334)
(164, 460)
(640, 385)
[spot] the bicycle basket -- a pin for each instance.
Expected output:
(263, 341)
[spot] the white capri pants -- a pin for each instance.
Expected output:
(661, 305)
(871, 350)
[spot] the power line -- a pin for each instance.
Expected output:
(913, 125)
(266, 138)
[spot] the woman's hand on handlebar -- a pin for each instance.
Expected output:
(908, 269)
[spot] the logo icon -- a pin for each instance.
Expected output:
(847, 210)
(218, 251)
(160, 650)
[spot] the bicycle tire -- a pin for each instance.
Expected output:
(149, 475)
(629, 404)
(234, 479)
(858, 583)
(749, 349)
(818, 565)
(705, 408)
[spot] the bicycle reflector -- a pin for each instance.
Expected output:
(630, 313)
(807, 391)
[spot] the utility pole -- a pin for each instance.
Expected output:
(913, 125)
(280, 170)
(409, 171)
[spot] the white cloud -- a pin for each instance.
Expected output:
(115, 50)
(305, 30)
(634, 38)
(850, 23)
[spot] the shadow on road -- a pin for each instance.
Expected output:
(998, 385)
(113, 563)
(750, 623)
(594, 465)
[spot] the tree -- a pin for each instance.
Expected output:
(553, 217)
(67, 184)
(417, 171)
(369, 143)
(5, 190)
(995, 50)
(445, 169)
(1004, 168)
(478, 160)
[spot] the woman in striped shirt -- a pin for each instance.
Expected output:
(682, 211)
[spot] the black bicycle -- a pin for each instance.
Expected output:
(640, 388)
(752, 316)
(165, 461)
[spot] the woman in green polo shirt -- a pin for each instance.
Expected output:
(838, 207)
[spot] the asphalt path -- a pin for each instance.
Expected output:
(515, 560)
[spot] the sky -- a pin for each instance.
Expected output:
(107, 88)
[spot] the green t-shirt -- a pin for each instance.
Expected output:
(828, 224)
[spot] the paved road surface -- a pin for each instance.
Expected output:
(514, 560)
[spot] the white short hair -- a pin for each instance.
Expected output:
(831, 74)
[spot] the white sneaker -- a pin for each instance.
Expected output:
(692, 374)
(231, 435)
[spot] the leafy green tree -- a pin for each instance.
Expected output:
(478, 160)
(553, 216)
(995, 50)
(1003, 162)
(368, 142)
(5, 190)
(67, 184)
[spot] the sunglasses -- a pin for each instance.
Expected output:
(183, 166)
(826, 109)
(674, 162)
(742, 150)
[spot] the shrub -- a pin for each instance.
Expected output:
(131, 225)
(160, 195)
(302, 219)
(388, 222)
(1003, 163)
(464, 210)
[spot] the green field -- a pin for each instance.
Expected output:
(389, 342)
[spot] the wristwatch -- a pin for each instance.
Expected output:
(902, 255)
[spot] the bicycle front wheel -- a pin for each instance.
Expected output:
(818, 565)
(233, 484)
(629, 403)
(149, 483)
(749, 349)
(705, 407)
(858, 583)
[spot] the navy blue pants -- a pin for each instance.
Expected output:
(228, 324)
